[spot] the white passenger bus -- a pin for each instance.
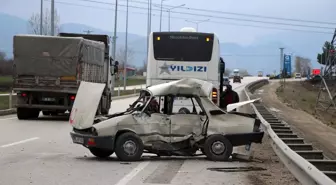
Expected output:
(185, 54)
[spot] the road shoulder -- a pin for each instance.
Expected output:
(265, 158)
(305, 125)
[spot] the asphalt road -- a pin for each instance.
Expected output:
(41, 152)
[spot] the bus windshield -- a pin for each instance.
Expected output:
(177, 46)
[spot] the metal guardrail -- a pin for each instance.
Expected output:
(303, 170)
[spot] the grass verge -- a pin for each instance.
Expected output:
(4, 102)
(130, 82)
(302, 96)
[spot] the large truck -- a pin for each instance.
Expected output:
(260, 74)
(48, 71)
(236, 76)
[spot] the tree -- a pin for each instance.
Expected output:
(2, 56)
(6, 65)
(120, 56)
(143, 68)
(326, 53)
(298, 64)
(34, 23)
(302, 65)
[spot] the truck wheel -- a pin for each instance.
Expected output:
(46, 113)
(217, 148)
(101, 153)
(22, 113)
(129, 147)
(34, 113)
(25, 113)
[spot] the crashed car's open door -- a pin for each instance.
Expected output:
(86, 104)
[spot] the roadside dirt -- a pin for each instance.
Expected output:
(293, 108)
(303, 96)
(276, 173)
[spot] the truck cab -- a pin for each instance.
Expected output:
(236, 76)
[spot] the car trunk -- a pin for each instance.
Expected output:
(85, 106)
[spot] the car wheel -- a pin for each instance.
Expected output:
(101, 153)
(129, 147)
(217, 148)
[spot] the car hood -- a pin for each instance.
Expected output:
(86, 103)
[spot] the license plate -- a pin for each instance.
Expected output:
(48, 99)
(79, 140)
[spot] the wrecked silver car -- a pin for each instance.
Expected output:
(157, 123)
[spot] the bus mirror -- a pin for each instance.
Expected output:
(116, 67)
(222, 67)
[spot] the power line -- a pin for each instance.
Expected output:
(212, 16)
(224, 23)
(248, 15)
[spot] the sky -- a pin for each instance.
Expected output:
(100, 14)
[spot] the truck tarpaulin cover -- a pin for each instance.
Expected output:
(54, 56)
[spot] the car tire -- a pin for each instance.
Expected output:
(101, 153)
(221, 152)
(134, 143)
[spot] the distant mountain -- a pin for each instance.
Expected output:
(10, 26)
(263, 54)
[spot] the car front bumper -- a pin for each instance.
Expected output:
(103, 142)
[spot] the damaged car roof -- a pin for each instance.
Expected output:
(188, 86)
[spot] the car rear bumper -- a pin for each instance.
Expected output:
(245, 138)
(103, 142)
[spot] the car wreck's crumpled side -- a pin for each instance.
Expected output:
(237, 128)
(163, 132)
(153, 128)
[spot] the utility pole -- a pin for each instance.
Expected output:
(168, 10)
(52, 17)
(281, 67)
(87, 31)
(115, 31)
(125, 63)
(149, 24)
(197, 22)
(161, 14)
(281, 59)
(41, 18)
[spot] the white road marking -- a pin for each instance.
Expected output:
(8, 118)
(20, 142)
(132, 174)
